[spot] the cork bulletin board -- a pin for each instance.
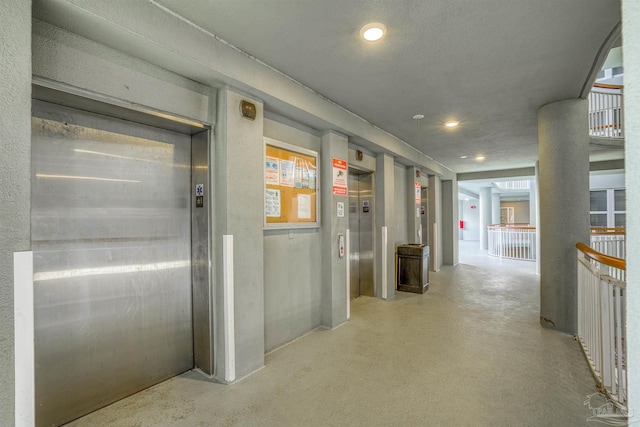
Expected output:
(291, 194)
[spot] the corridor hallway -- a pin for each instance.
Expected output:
(469, 352)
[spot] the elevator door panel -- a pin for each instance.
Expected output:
(424, 215)
(111, 241)
(361, 209)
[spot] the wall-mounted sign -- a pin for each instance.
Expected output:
(472, 206)
(418, 197)
(339, 177)
(340, 209)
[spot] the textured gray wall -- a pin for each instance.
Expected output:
(413, 221)
(631, 41)
(65, 57)
(292, 273)
(400, 229)
(435, 217)
(384, 189)
(563, 147)
(239, 209)
(15, 175)
(450, 230)
(334, 269)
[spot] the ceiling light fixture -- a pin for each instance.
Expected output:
(480, 158)
(463, 157)
(373, 31)
(451, 124)
(418, 116)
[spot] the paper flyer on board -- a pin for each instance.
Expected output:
(272, 170)
(272, 203)
(287, 175)
(304, 206)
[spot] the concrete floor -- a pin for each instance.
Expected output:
(469, 352)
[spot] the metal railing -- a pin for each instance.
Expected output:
(514, 241)
(605, 111)
(609, 241)
(602, 320)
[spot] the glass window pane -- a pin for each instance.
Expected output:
(598, 220)
(599, 200)
(620, 204)
(621, 220)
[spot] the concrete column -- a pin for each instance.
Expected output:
(485, 216)
(631, 39)
(537, 214)
(495, 208)
(435, 222)
(563, 150)
(385, 187)
(450, 222)
(239, 210)
(334, 297)
(15, 176)
(413, 208)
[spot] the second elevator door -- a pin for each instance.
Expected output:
(361, 207)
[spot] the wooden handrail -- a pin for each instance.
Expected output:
(511, 227)
(608, 86)
(611, 261)
(604, 231)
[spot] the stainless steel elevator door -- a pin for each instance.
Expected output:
(361, 208)
(112, 259)
(424, 215)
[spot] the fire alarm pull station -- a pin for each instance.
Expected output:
(341, 245)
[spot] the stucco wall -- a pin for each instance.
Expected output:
(400, 195)
(292, 285)
(15, 175)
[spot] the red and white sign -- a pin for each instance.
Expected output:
(472, 206)
(339, 177)
(418, 194)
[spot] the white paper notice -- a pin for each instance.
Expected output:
(304, 206)
(287, 176)
(272, 203)
(272, 171)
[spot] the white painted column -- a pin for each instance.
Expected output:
(229, 310)
(485, 216)
(495, 208)
(24, 339)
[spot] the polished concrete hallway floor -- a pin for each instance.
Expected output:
(469, 352)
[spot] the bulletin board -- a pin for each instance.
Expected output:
(291, 193)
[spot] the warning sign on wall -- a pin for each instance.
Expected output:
(418, 194)
(339, 177)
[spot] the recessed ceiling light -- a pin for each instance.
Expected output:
(480, 157)
(373, 31)
(418, 116)
(451, 124)
(463, 157)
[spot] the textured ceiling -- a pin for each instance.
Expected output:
(488, 63)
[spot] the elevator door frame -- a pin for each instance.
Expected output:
(200, 211)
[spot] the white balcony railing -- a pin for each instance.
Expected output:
(512, 241)
(602, 320)
(610, 241)
(606, 112)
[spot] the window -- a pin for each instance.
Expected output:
(608, 208)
